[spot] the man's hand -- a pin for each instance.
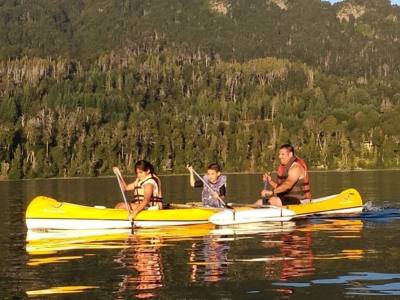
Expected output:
(267, 177)
(266, 193)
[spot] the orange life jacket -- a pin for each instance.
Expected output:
(301, 189)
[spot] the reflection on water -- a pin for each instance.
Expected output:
(60, 290)
(296, 249)
(208, 259)
(359, 283)
(319, 257)
(143, 260)
(285, 253)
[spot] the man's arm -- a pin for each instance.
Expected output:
(268, 178)
(293, 176)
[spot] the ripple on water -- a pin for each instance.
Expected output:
(361, 279)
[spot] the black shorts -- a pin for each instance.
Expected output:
(285, 201)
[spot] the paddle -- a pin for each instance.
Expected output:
(265, 181)
(121, 186)
(211, 190)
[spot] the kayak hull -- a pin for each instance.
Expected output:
(243, 215)
(48, 213)
(347, 202)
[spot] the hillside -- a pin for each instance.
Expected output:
(88, 85)
(357, 37)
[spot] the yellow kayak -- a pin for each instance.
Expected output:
(347, 202)
(47, 213)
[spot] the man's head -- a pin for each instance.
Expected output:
(213, 172)
(286, 152)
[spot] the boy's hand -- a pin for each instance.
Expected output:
(116, 170)
(190, 168)
(215, 195)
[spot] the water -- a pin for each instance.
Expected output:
(339, 258)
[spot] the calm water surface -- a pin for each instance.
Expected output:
(335, 258)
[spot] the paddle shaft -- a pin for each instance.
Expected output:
(209, 187)
(119, 178)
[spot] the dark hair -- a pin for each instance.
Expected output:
(214, 166)
(288, 147)
(145, 166)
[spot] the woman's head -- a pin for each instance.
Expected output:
(143, 168)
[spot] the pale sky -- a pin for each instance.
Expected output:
(393, 1)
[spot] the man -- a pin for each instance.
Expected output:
(293, 184)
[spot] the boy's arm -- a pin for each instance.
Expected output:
(222, 192)
(191, 176)
(192, 180)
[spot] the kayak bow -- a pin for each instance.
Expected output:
(48, 213)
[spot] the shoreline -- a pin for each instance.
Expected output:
(186, 174)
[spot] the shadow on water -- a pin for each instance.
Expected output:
(371, 213)
(380, 213)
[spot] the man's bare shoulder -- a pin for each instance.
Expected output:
(295, 170)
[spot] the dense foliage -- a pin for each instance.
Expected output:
(174, 82)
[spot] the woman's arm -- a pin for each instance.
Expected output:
(148, 193)
(131, 186)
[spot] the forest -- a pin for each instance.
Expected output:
(175, 82)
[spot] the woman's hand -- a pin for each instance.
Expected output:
(132, 215)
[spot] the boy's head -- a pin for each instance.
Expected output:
(213, 172)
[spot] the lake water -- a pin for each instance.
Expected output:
(315, 258)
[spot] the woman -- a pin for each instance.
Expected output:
(146, 189)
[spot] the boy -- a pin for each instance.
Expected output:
(216, 185)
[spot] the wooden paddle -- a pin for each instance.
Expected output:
(211, 190)
(121, 186)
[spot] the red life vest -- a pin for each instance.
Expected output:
(301, 189)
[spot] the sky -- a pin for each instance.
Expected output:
(393, 1)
